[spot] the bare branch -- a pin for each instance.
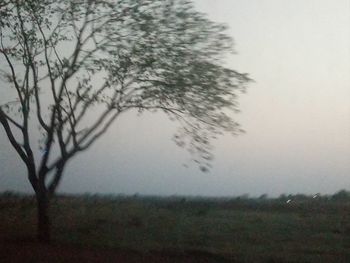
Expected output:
(13, 141)
(13, 73)
(100, 133)
(15, 123)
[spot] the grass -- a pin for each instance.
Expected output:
(237, 230)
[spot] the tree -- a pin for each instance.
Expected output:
(72, 68)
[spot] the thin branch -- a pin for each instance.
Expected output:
(13, 141)
(19, 126)
(95, 126)
(100, 133)
(56, 109)
(52, 81)
(13, 73)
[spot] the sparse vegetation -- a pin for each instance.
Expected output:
(308, 229)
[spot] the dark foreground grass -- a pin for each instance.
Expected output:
(219, 230)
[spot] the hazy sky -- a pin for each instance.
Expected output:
(297, 115)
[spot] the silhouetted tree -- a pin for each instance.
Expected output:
(72, 67)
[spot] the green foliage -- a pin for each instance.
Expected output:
(119, 55)
(73, 67)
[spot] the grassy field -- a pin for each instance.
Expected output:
(192, 229)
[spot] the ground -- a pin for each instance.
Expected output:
(14, 251)
(151, 229)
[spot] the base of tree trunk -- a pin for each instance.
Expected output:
(44, 228)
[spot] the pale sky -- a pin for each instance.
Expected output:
(296, 115)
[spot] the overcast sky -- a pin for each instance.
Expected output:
(296, 115)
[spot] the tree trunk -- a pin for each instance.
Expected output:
(43, 224)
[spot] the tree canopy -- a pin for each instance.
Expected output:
(72, 67)
(120, 55)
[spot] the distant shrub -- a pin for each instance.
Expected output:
(9, 194)
(342, 195)
(263, 197)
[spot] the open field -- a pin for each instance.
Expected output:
(151, 229)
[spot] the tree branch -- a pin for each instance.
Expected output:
(12, 120)
(100, 133)
(52, 186)
(13, 141)
(13, 73)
